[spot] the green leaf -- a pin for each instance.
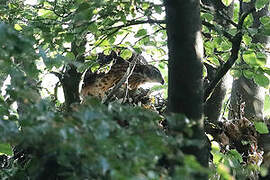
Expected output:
(260, 4)
(17, 27)
(248, 74)
(70, 56)
(5, 149)
(226, 45)
(261, 59)
(207, 16)
(126, 54)
(226, 2)
(261, 127)
(84, 12)
(214, 60)
(236, 155)
(248, 21)
(253, 31)
(247, 39)
(158, 9)
(261, 80)
(44, 13)
(93, 28)
(250, 57)
(235, 73)
(254, 59)
(69, 37)
(265, 20)
(141, 32)
(266, 29)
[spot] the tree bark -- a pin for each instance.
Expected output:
(185, 91)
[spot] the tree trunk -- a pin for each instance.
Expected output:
(185, 92)
(185, 53)
(252, 94)
(71, 77)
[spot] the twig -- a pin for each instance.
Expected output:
(123, 79)
(126, 93)
(137, 22)
(122, 40)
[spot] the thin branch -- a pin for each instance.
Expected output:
(122, 40)
(60, 76)
(123, 79)
(137, 22)
(213, 27)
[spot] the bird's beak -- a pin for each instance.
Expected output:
(162, 81)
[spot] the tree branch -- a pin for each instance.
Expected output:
(213, 27)
(236, 41)
(137, 22)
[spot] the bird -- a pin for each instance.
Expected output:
(98, 84)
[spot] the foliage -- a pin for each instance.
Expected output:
(93, 140)
(219, 46)
(97, 142)
(90, 141)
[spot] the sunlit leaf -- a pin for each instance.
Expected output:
(247, 39)
(261, 127)
(126, 54)
(250, 57)
(259, 4)
(227, 2)
(44, 13)
(248, 20)
(5, 149)
(17, 27)
(261, 80)
(141, 32)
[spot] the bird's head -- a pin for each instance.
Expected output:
(153, 74)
